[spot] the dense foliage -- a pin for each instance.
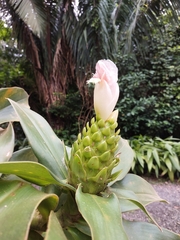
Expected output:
(150, 88)
(149, 102)
(64, 39)
(15, 69)
(9, 57)
(156, 156)
(36, 181)
(149, 79)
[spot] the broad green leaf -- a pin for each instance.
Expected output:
(150, 164)
(25, 154)
(165, 155)
(32, 172)
(136, 188)
(140, 159)
(82, 226)
(149, 154)
(175, 161)
(7, 113)
(126, 155)
(18, 204)
(54, 229)
(156, 169)
(168, 164)
(67, 154)
(133, 164)
(169, 148)
(156, 156)
(147, 231)
(47, 147)
(165, 170)
(171, 175)
(73, 233)
(102, 215)
(129, 201)
(6, 143)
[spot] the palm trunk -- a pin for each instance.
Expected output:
(53, 88)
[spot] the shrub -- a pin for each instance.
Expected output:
(156, 156)
(150, 88)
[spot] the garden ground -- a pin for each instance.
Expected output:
(166, 215)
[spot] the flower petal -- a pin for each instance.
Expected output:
(102, 97)
(106, 92)
(107, 70)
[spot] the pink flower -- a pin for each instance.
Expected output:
(106, 91)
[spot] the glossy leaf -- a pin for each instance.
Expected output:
(147, 231)
(32, 172)
(102, 215)
(6, 143)
(54, 229)
(7, 113)
(126, 155)
(47, 147)
(137, 189)
(18, 203)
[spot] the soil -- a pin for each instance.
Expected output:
(166, 215)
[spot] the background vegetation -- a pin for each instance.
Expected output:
(150, 88)
(143, 38)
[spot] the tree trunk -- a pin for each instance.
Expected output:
(52, 91)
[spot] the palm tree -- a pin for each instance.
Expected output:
(61, 44)
(63, 39)
(140, 18)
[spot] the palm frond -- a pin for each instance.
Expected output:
(32, 12)
(66, 44)
(142, 16)
(93, 35)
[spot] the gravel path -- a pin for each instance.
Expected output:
(166, 215)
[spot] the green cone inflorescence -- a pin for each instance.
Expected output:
(92, 156)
